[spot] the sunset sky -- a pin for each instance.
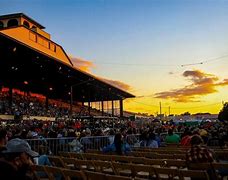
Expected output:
(169, 51)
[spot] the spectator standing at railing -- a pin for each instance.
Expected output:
(152, 143)
(158, 139)
(143, 138)
(111, 136)
(86, 140)
(118, 146)
(171, 137)
(76, 146)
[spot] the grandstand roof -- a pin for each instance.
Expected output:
(27, 68)
(15, 15)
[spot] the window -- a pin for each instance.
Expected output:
(33, 28)
(12, 22)
(1, 25)
(26, 24)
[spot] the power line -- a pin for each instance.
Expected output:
(215, 59)
(163, 65)
(206, 61)
(183, 65)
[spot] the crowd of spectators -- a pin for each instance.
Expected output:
(33, 105)
(29, 105)
(198, 138)
(120, 135)
(150, 135)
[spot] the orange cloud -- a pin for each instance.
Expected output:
(223, 83)
(86, 66)
(118, 84)
(82, 64)
(201, 84)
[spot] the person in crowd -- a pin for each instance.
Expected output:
(42, 160)
(143, 138)
(152, 143)
(17, 160)
(215, 140)
(158, 139)
(199, 153)
(86, 140)
(111, 136)
(204, 134)
(171, 137)
(186, 139)
(3, 139)
(118, 146)
(75, 145)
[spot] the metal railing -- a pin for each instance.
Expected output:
(96, 142)
(133, 140)
(51, 145)
(71, 144)
(55, 145)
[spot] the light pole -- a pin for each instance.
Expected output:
(71, 95)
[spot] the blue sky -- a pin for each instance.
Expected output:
(118, 34)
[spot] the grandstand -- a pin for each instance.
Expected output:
(31, 62)
(38, 79)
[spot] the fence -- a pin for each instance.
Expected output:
(133, 140)
(50, 145)
(54, 145)
(96, 142)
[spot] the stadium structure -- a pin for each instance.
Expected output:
(30, 61)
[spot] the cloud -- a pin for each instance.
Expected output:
(82, 64)
(201, 84)
(171, 73)
(86, 66)
(223, 83)
(118, 84)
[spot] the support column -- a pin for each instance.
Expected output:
(99, 106)
(102, 108)
(112, 108)
(71, 102)
(107, 107)
(121, 108)
(89, 104)
(82, 108)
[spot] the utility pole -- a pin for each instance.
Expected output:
(71, 102)
(160, 110)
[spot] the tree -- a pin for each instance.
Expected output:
(186, 114)
(223, 114)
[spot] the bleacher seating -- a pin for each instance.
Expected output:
(95, 166)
